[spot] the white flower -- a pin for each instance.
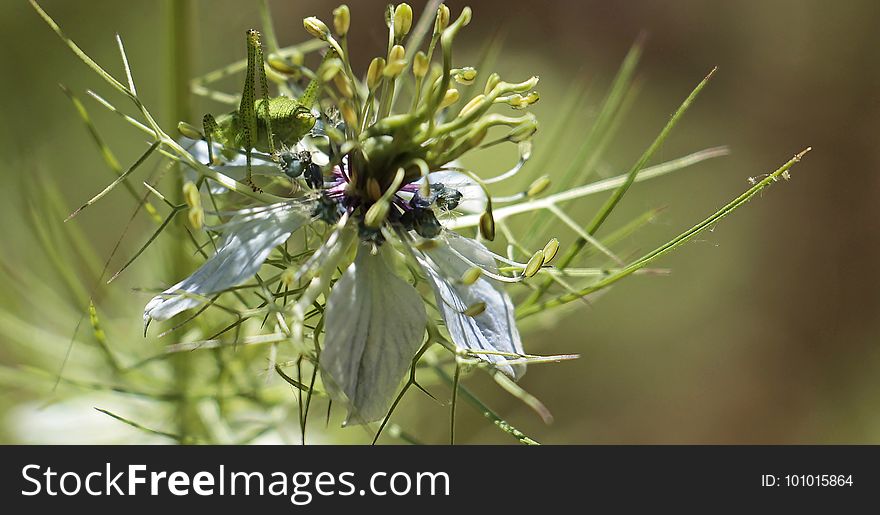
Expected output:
(375, 321)
(495, 328)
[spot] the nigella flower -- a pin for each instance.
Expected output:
(378, 185)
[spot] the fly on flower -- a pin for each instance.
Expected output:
(384, 269)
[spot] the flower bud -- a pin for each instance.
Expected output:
(539, 186)
(442, 19)
(487, 225)
(341, 19)
(475, 309)
(316, 28)
(374, 73)
(534, 264)
(377, 214)
(465, 76)
(348, 114)
(191, 194)
(343, 85)
(420, 65)
(278, 64)
(403, 17)
(373, 189)
(471, 275)
(449, 98)
(550, 250)
(188, 131)
(329, 69)
(396, 61)
(287, 278)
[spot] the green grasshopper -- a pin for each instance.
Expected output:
(262, 124)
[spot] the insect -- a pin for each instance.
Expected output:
(263, 124)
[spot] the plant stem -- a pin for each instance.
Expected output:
(178, 14)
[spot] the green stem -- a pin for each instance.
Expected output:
(682, 238)
(178, 15)
(621, 190)
(485, 410)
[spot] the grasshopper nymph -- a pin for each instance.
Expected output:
(263, 124)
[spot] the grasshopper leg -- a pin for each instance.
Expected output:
(209, 124)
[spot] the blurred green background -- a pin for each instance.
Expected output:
(766, 331)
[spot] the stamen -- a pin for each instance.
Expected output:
(486, 271)
(475, 309)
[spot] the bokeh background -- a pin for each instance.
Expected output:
(767, 329)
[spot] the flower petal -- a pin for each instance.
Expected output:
(495, 328)
(248, 239)
(234, 169)
(374, 326)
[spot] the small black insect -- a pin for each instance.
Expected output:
(327, 210)
(422, 221)
(443, 196)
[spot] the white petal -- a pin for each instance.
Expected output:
(247, 241)
(234, 169)
(374, 323)
(495, 328)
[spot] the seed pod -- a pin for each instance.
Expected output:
(539, 186)
(471, 275)
(550, 250)
(534, 264)
(487, 225)
(341, 19)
